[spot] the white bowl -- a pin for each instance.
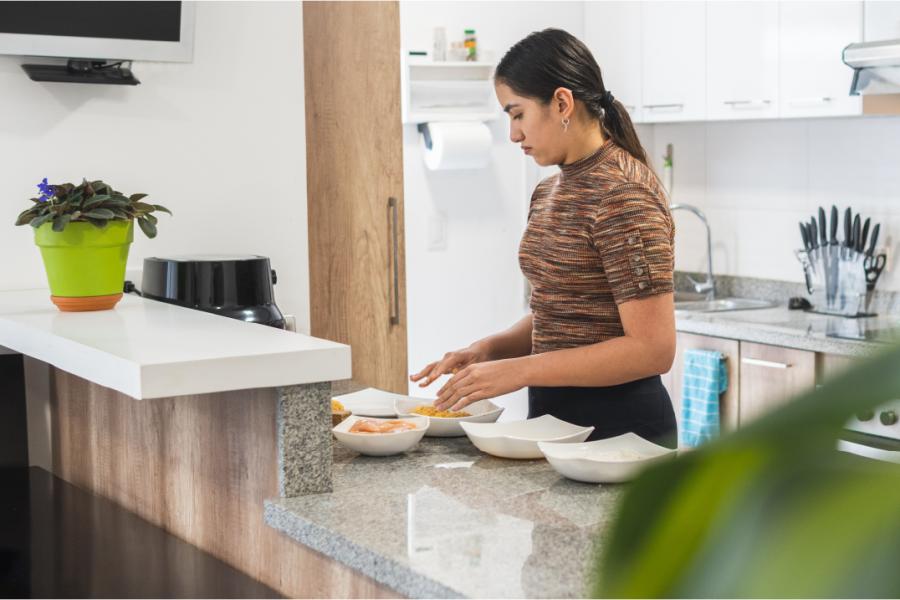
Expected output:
(604, 461)
(380, 444)
(371, 402)
(483, 411)
(519, 439)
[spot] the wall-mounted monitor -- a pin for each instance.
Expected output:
(151, 31)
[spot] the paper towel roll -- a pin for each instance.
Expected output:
(457, 145)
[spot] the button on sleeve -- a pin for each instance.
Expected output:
(633, 234)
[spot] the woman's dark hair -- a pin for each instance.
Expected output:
(546, 60)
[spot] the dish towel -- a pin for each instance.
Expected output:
(705, 379)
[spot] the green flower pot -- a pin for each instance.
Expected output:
(85, 264)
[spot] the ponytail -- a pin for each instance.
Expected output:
(546, 60)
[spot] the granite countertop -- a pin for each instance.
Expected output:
(793, 328)
(445, 520)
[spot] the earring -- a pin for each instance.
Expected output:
(565, 124)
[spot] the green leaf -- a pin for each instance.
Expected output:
(91, 202)
(151, 218)
(60, 222)
(41, 220)
(141, 207)
(100, 223)
(162, 208)
(772, 510)
(147, 227)
(136, 197)
(99, 213)
(26, 216)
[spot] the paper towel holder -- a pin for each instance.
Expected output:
(426, 133)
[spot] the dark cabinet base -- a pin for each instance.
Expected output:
(13, 423)
(58, 541)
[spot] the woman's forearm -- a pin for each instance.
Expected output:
(512, 343)
(612, 362)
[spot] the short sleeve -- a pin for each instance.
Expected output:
(633, 233)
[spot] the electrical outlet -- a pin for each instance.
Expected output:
(437, 232)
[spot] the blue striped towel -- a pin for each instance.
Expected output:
(705, 379)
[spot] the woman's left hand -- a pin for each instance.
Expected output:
(479, 381)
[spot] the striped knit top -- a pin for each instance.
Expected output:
(599, 234)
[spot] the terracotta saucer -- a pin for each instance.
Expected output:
(85, 303)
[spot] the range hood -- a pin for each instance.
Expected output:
(876, 75)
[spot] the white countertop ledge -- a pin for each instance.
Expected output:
(148, 349)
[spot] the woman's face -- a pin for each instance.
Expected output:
(536, 127)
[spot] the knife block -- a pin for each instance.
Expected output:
(836, 281)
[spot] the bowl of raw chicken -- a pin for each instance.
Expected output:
(380, 437)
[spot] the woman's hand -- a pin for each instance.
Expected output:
(479, 381)
(452, 363)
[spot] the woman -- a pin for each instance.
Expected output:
(597, 251)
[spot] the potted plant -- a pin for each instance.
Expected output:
(84, 232)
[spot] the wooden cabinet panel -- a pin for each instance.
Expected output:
(772, 375)
(354, 149)
(829, 365)
(673, 379)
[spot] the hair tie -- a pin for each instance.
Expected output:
(607, 99)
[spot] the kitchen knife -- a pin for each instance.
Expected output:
(813, 233)
(848, 227)
(874, 240)
(861, 244)
(823, 228)
(857, 231)
(805, 235)
(834, 225)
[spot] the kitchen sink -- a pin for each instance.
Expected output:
(721, 304)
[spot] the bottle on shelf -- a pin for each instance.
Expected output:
(471, 44)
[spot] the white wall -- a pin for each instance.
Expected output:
(219, 140)
(473, 288)
(756, 179)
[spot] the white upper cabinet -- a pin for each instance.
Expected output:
(673, 57)
(813, 80)
(742, 60)
(882, 20)
(612, 31)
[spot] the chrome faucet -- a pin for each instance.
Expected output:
(707, 287)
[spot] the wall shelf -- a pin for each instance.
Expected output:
(447, 90)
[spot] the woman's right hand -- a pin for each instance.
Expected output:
(451, 363)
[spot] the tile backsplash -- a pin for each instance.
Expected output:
(756, 179)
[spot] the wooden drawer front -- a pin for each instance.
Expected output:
(674, 378)
(770, 376)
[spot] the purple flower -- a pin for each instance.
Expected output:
(47, 190)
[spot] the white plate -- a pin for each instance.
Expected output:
(371, 402)
(379, 444)
(519, 439)
(483, 411)
(604, 461)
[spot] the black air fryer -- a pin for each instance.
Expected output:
(239, 287)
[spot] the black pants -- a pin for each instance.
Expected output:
(641, 406)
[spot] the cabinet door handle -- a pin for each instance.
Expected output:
(809, 102)
(747, 104)
(676, 106)
(769, 364)
(393, 271)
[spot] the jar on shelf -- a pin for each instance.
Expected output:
(471, 44)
